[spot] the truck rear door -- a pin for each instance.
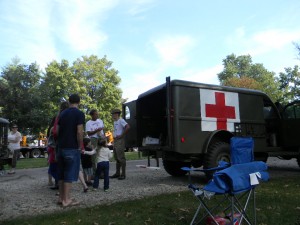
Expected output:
(129, 114)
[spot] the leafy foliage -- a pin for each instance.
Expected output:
(19, 94)
(98, 86)
(243, 82)
(57, 84)
(290, 82)
(239, 71)
(92, 78)
(31, 99)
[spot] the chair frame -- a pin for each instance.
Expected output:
(236, 202)
(234, 205)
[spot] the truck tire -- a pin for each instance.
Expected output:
(35, 153)
(215, 153)
(174, 167)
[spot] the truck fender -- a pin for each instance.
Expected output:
(217, 135)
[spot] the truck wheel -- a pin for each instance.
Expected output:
(174, 167)
(215, 153)
(35, 153)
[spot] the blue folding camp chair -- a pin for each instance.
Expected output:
(233, 186)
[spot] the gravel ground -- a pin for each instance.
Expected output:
(26, 193)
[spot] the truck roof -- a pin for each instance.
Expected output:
(204, 86)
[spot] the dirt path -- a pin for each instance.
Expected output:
(26, 192)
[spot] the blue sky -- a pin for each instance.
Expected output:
(148, 40)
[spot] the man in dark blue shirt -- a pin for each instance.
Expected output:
(70, 145)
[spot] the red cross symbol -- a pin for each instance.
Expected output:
(220, 111)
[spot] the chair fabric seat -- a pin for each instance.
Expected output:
(236, 178)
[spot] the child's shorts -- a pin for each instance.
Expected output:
(88, 171)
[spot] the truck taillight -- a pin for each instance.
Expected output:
(182, 139)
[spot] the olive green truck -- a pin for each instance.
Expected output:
(190, 124)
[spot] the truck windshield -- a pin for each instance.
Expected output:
(292, 111)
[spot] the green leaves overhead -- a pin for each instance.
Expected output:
(20, 96)
(255, 75)
(99, 86)
(92, 78)
(290, 82)
(31, 98)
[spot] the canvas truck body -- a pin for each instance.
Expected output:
(193, 123)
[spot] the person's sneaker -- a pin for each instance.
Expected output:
(11, 172)
(114, 176)
(106, 190)
(121, 178)
(95, 189)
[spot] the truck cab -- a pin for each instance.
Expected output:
(190, 124)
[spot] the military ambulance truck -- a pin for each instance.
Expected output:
(190, 124)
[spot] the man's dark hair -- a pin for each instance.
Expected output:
(92, 112)
(74, 99)
(64, 105)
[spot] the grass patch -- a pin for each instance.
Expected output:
(28, 163)
(133, 156)
(278, 202)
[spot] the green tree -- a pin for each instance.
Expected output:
(290, 83)
(243, 82)
(20, 97)
(92, 78)
(259, 77)
(98, 85)
(57, 84)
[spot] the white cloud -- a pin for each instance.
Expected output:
(140, 83)
(46, 30)
(81, 23)
(274, 39)
(173, 50)
(138, 7)
(261, 42)
(28, 36)
(131, 59)
(207, 76)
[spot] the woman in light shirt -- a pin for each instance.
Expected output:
(14, 138)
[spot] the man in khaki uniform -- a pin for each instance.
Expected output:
(121, 127)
